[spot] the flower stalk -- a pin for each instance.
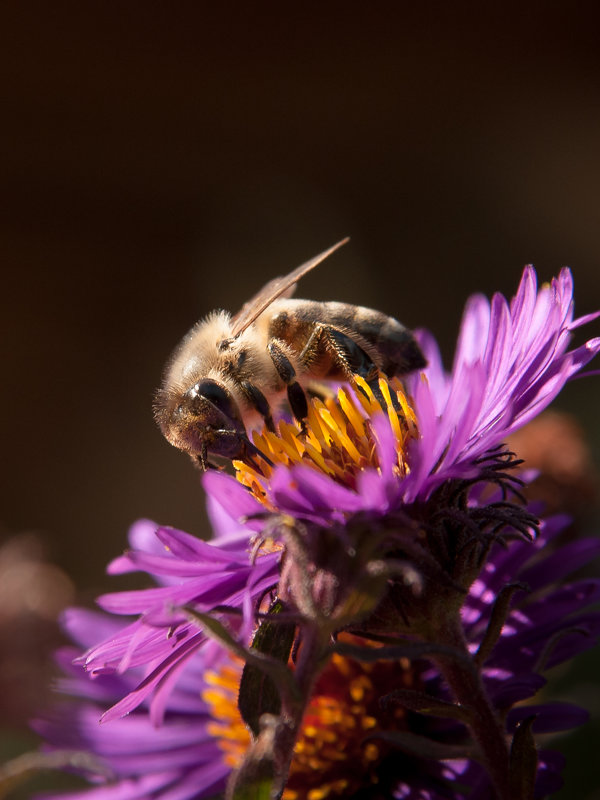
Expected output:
(268, 758)
(482, 719)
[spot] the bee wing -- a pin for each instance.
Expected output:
(274, 289)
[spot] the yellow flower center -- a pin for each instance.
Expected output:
(337, 438)
(336, 753)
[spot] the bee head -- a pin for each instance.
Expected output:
(203, 418)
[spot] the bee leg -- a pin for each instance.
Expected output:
(348, 356)
(202, 460)
(287, 373)
(259, 402)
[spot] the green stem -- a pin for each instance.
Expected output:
(468, 690)
(308, 668)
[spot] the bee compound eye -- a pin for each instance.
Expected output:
(216, 394)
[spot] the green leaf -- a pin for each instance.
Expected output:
(425, 704)
(278, 672)
(257, 778)
(259, 693)
(497, 619)
(260, 789)
(523, 760)
(422, 747)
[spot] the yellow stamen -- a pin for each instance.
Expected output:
(391, 411)
(338, 430)
(336, 438)
(369, 403)
(317, 457)
(315, 423)
(290, 434)
(351, 413)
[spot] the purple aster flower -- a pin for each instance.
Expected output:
(189, 571)
(136, 758)
(417, 600)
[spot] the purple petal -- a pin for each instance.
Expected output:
(563, 562)
(234, 498)
(304, 491)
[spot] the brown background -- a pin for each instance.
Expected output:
(159, 160)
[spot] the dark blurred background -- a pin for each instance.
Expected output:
(161, 160)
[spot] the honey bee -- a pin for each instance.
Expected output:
(229, 373)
